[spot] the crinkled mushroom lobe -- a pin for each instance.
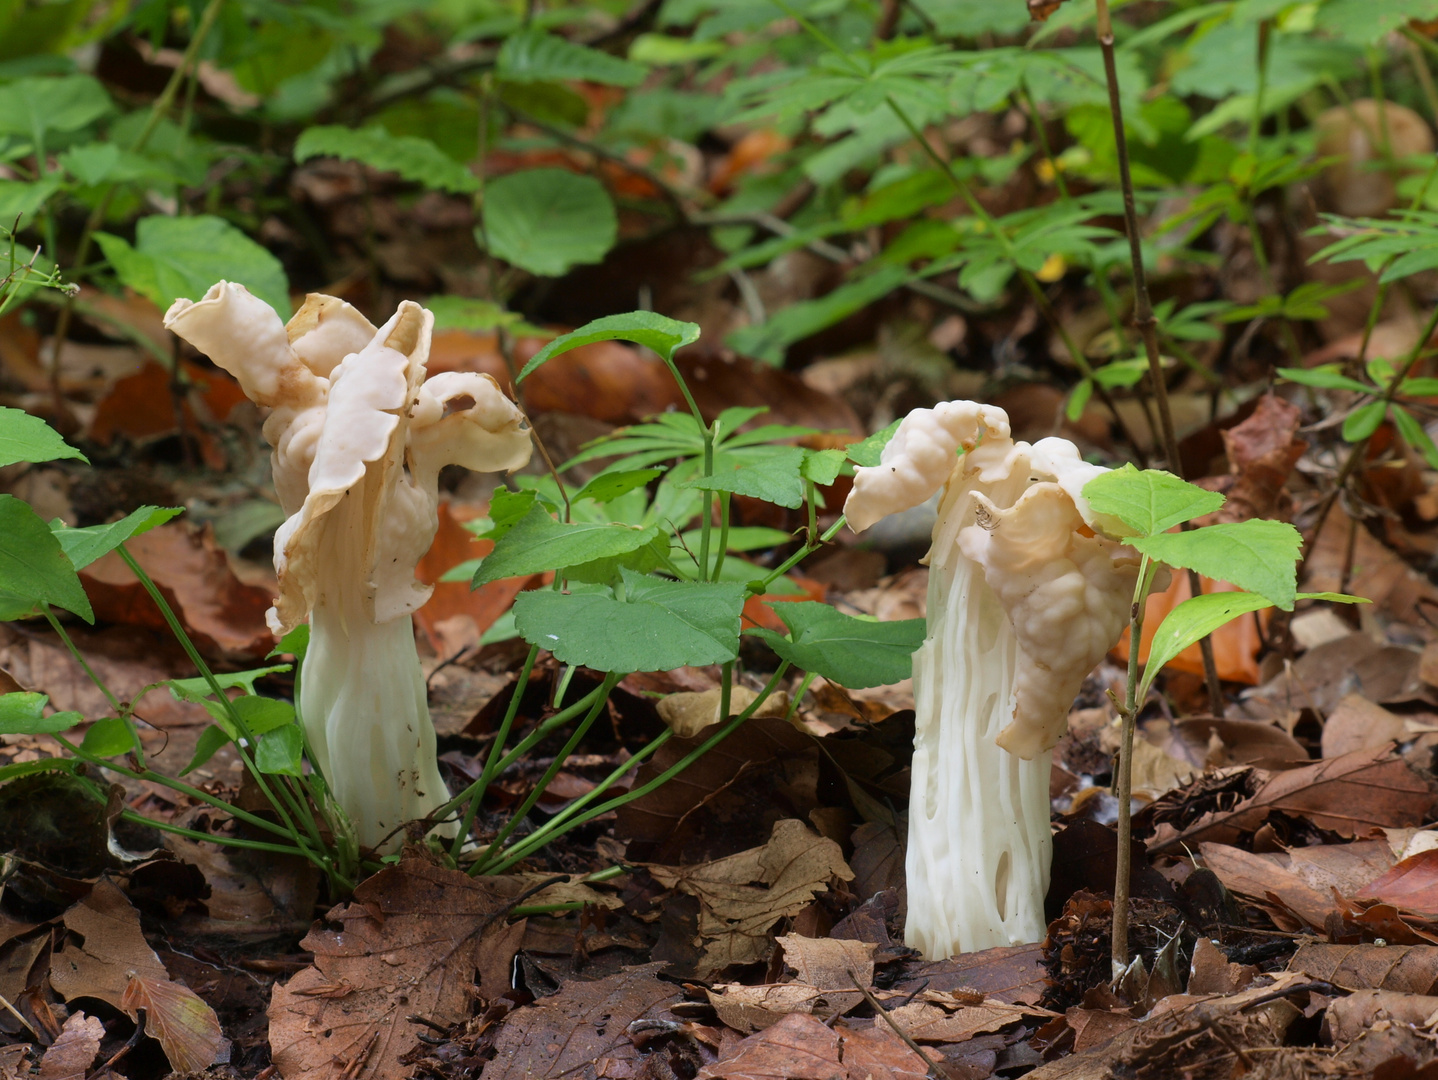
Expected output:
(360, 455)
(488, 434)
(920, 458)
(243, 335)
(1066, 594)
(325, 330)
(1059, 460)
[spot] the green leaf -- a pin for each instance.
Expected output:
(1363, 421)
(107, 738)
(28, 438)
(24, 714)
(198, 689)
(1078, 400)
(33, 566)
(296, 643)
(822, 467)
(866, 452)
(534, 56)
(608, 486)
(1326, 377)
(206, 746)
(32, 107)
(850, 651)
(84, 546)
(1414, 435)
(1422, 386)
(175, 257)
(1149, 501)
(412, 157)
(774, 477)
(506, 510)
(262, 714)
(649, 556)
(539, 543)
(659, 626)
(548, 220)
(279, 752)
(664, 335)
(1258, 556)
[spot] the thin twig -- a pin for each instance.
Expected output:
(879, 1010)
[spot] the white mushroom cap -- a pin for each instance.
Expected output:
(325, 330)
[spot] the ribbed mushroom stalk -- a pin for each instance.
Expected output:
(359, 439)
(1024, 599)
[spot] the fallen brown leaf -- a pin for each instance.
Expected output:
(1408, 969)
(1359, 724)
(188, 1030)
(1411, 885)
(1349, 1017)
(800, 1047)
(1013, 974)
(70, 1056)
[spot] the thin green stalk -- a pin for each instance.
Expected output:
(572, 816)
(726, 688)
(176, 628)
(723, 534)
(580, 730)
(79, 657)
(804, 552)
(490, 766)
(1124, 782)
(195, 834)
(160, 106)
(1256, 119)
(799, 696)
(1036, 121)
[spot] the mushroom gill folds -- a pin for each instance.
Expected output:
(1026, 595)
(359, 437)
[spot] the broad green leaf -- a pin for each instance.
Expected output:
(1078, 400)
(198, 689)
(658, 626)
(108, 738)
(175, 257)
(280, 750)
(822, 467)
(1414, 435)
(262, 714)
(1200, 616)
(850, 651)
(1365, 22)
(866, 452)
(412, 157)
(608, 486)
(31, 107)
(664, 335)
(1149, 501)
(28, 438)
(84, 546)
(33, 566)
(296, 643)
(24, 714)
(206, 746)
(774, 477)
(1364, 421)
(548, 220)
(1258, 556)
(652, 555)
(539, 543)
(506, 510)
(1422, 386)
(1324, 378)
(534, 56)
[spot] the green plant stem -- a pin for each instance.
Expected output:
(158, 108)
(1144, 320)
(1036, 121)
(580, 729)
(723, 534)
(79, 658)
(486, 776)
(210, 838)
(803, 553)
(575, 815)
(1128, 715)
(523, 747)
(1255, 120)
(176, 628)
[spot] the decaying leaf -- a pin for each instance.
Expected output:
(690, 712)
(748, 1009)
(70, 1056)
(1040, 10)
(187, 1028)
(800, 1047)
(1408, 969)
(741, 897)
(410, 944)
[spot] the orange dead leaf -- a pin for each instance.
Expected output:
(757, 611)
(1235, 644)
(188, 1030)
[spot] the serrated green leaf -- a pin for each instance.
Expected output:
(608, 486)
(1149, 501)
(33, 566)
(822, 467)
(175, 257)
(279, 752)
(1364, 421)
(664, 335)
(659, 625)
(24, 714)
(773, 477)
(197, 689)
(206, 747)
(506, 510)
(534, 56)
(1258, 556)
(651, 555)
(410, 156)
(538, 543)
(28, 438)
(867, 452)
(84, 546)
(852, 652)
(548, 220)
(1324, 378)
(108, 738)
